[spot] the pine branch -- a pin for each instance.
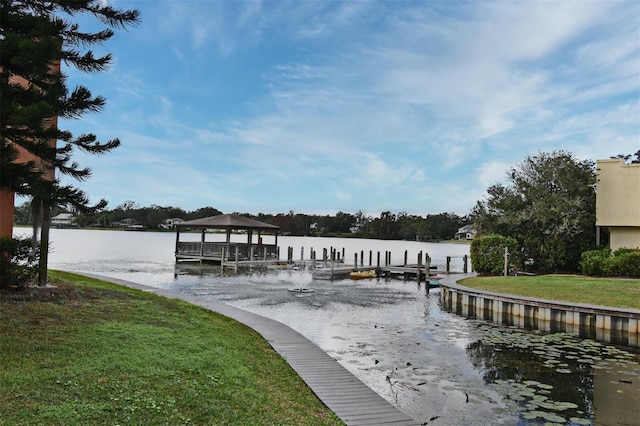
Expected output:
(86, 62)
(80, 102)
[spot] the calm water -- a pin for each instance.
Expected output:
(435, 366)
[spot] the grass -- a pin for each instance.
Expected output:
(90, 352)
(617, 293)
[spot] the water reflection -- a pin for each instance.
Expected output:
(552, 378)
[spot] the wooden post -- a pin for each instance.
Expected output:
(448, 264)
(419, 266)
(405, 258)
(236, 266)
(222, 261)
(301, 253)
(370, 257)
(427, 267)
(506, 261)
(228, 251)
(361, 257)
(177, 240)
(202, 245)
(265, 255)
(333, 256)
(276, 244)
(464, 266)
(343, 257)
(355, 261)
(378, 264)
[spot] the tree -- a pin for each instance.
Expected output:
(385, 227)
(548, 206)
(487, 254)
(630, 158)
(37, 36)
(441, 226)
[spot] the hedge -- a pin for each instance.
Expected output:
(487, 254)
(602, 263)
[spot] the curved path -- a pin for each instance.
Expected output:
(334, 385)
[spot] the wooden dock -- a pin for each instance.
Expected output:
(406, 272)
(237, 257)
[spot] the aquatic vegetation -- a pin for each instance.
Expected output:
(551, 378)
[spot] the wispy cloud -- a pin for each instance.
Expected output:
(250, 101)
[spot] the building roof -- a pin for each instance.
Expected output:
(227, 221)
(64, 216)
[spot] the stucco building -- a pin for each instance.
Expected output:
(7, 196)
(618, 202)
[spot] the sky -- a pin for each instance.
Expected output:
(318, 107)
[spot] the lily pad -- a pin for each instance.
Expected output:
(566, 405)
(580, 421)
(530, 415)
(545, 386)
(554, 418)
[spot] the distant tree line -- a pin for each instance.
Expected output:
(396, 226)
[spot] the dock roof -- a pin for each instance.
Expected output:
(227, 221)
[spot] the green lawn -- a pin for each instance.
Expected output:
(619, 293)
(88, 352)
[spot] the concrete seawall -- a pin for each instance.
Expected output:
(601, 323)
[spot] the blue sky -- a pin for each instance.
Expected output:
(320, 107)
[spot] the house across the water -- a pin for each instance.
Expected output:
(467, 232)
(63, 220)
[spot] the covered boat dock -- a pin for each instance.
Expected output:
(224, 251)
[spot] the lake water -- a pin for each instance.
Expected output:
(433, 365)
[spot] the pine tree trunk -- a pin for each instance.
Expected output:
(36, 214)
(44, 245)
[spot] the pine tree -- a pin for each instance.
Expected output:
(36, 37)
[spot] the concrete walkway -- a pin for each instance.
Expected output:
(335, 386)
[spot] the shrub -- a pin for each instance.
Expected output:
(623, 262)
(595, 262)
(487, 254)
(628, 264)
(18, 262)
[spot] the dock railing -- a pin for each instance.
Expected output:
(215, 251)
